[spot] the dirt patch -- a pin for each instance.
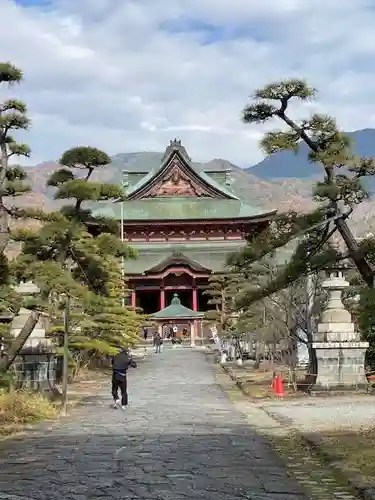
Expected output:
(90, 383)
(257, 383)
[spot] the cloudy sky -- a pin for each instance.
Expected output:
(129, 75)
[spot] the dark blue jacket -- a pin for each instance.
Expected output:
(121, 363)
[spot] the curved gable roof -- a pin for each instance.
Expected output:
(176, 310)
(176, 149)
(176, 259)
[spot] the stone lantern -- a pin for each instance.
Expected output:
(38, 335)
(339, 350)
(35, 367)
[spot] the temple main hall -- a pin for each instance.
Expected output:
(184, 219)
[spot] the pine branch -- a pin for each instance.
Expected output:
(328, 146)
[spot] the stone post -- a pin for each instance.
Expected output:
(339, 351)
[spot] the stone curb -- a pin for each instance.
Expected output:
(354, 479)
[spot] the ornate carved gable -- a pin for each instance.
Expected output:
(176, 182)
(177, 177)
(177, 259)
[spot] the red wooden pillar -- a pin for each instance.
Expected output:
(162, 298)
(133, 299)
(195, 300)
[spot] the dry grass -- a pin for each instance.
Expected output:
(257, 383)
(19, 408)
(355, 451)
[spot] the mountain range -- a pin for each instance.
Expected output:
(281, 181)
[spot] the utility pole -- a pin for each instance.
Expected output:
(122, 258)
(65, 359)
(64, 402)
(310, 297)
(124, 185)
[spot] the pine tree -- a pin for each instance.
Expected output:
(13, 118)
(13, 182)
(338, 194)
(89, 244)
(221, 293)
(113, 323)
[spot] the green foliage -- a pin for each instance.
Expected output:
(13, 117)
(73, 253)
(10, 74)
(83, 190)
(77, 255)
(98, 324)
(366, 322)
(60, 177)
(85, 158)
(221, 297)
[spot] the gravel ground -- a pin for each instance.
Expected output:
(326, 413)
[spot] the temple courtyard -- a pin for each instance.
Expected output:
(182, 437)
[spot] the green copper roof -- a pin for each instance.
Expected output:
(175, 148)
(176, 310)
(178, 208)
(210, 255)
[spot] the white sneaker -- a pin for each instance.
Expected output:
(117, 402)
(123, 407)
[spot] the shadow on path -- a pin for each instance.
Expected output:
(180, 439)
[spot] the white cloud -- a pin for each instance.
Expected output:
(121, 76)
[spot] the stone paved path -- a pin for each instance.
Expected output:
(181, 438)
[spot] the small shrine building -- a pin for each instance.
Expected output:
(177, 314)
(184, 220)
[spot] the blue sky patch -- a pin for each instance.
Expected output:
(215, 33)
(34, 3)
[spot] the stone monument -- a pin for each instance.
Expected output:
(38, 335)
(35, 366)
(339, 350)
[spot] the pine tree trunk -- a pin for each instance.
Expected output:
(363, 267)
(4, 218)
(4, 227)
(313, 361)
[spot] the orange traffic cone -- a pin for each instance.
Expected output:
(278, 386)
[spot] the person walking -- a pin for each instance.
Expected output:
(145, 333)
(158, 342)
(120, 365)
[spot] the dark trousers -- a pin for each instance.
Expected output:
(120, 382)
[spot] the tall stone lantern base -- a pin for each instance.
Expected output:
(340, 366)
(339, 350)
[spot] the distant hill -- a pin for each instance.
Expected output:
(288, 165)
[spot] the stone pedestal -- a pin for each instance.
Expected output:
(339, 351)
(35, 366)
(37, 336)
